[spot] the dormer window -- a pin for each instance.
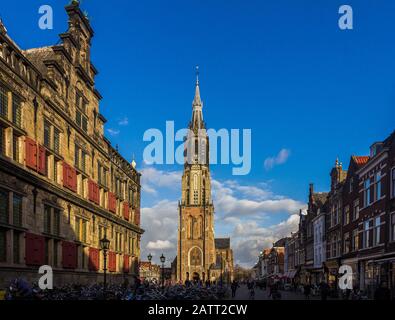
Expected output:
(375, 148)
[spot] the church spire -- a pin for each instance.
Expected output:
(197, 105)
(196, 99)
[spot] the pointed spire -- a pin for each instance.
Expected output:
(197, 75)
(196, 99)
(133, 163)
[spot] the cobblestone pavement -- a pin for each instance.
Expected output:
(243, 294)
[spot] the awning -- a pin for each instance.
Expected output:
(292, 274)
(384, 260)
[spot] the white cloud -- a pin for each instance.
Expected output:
(153, 179)
(237, 200)
(280, 158)
(251, 191)
(123, 122)
(160, 245)
(248, 238)
(160, 225)
(113, 132)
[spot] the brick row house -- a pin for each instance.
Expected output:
(62, 185)
(271, 264)
(309, 237)
(353, 224)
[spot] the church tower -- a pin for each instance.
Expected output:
(196, 247)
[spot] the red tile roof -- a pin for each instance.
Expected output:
(145, 264)
(361, 160)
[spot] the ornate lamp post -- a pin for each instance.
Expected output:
(105, 245)
(149, 260)
(163, 259)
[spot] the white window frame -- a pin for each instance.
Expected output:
(392, 226)
(376, 230)
(377, 183)
(355, 204)
(366, 192)
(365, 234)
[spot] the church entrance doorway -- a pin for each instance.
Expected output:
(196, 276)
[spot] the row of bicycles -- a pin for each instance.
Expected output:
(22, 290)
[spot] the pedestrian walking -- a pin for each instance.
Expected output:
(307, 291)
(324, 290)
(251, 289)
(274, 292)
(234, 287)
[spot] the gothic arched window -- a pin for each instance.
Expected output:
(189, 227)
(195, 257)
(200, 227)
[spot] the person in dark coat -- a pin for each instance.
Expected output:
(306, 291)
(234, 287)
(324, 290)
(274, 292)
(382, 292)
(137, 284)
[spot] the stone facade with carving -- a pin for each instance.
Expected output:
(62, 185)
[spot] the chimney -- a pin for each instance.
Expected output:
(311, 188)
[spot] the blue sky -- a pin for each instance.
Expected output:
(281, 68)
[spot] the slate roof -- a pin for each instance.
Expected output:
(320, 198)
(37, 56)
(222, 243)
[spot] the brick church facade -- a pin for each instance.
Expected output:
(199, 256)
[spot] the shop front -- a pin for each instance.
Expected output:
(374, 273)
(332, 267)
(317, 276)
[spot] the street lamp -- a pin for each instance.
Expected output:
(105, 245)
(149, 260)
(163, 259)
(222, 264)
